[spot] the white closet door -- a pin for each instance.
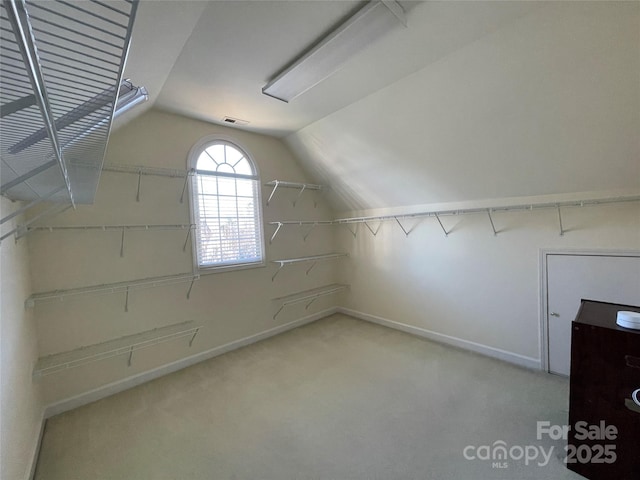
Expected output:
(570, 278)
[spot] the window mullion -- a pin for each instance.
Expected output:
(220, 243)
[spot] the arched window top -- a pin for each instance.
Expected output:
(222, 157)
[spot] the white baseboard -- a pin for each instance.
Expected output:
(515, 358)
(36, 448)
(135, 380)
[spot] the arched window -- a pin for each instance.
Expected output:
(225, 205)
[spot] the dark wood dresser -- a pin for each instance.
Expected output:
(605, 371)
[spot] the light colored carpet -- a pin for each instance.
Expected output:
(338, 399)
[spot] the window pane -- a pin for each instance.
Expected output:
(225, 168)
(246, 188)
(233, 155)
(205, 162)
(207, 185)
(216, 152)
(226, 186)
(243, 167)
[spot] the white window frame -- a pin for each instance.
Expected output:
(192, 160)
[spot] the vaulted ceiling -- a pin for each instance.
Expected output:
(208, 60)
(471, 100)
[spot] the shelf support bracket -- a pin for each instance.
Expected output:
(406, 232)
(275, 187)
(278, 312)
(130, 357)
(277, 271)
(304, 237)
(493, 227)
(311, 267)
(309, 304)
(22, 230)
(373, 232)
(315, 197)
(184, 187)
(126, 300)
(190, 287)
(184, 247)
(28, 175)
(122, 244)
(193, 337)
(354, 232)
(304, 187)
(446, 234)
(139, 179)
(31, 204)
(276, 232)
(562, 230)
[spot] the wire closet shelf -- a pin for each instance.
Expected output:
(399, 218)
(62, 70)
(59, 362)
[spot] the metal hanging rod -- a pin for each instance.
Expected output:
(117, 287)
(113, 348)
(301, 186)
(308, 296)
(314, 258)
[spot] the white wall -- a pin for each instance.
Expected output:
(548, 103)
(21, 406)
(474, 286)
(229, 306)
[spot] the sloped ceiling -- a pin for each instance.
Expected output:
(548, 104)
(471, 100)
(208, 60)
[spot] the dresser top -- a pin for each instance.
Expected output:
(603, 314)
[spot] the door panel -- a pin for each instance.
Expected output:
(570, 278)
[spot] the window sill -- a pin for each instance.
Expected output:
(229, 268)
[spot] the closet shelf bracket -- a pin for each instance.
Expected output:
(278, 227)
(446, 234)
(562, 230)
(406, 232)
(138, 191)
(353, 232)
(373, 232)
(493, 227)
(184, 187)
(22, 229)
(122, 244)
